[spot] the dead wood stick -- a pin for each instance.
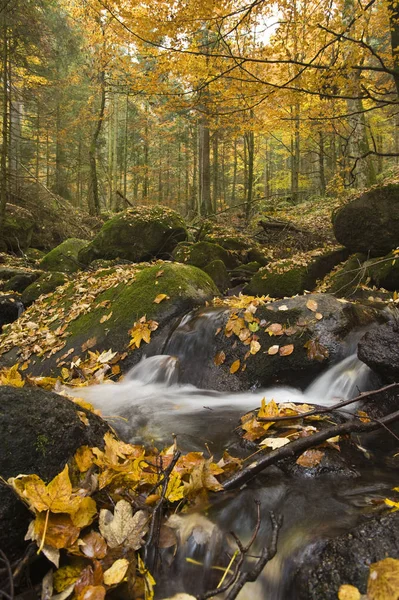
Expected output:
(118, 193)
(327, 409)
(299, 446)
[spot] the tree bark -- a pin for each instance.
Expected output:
(3, 159)
(94, 199)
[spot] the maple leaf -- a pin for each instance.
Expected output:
(122, 527)
(141, 331)
(175, 488)
(56, 496)
(11, 376)
(93, 545)
(383, 581)
(57, 530)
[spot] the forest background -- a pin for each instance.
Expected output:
(196, 105)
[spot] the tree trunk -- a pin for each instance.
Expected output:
(205, 169)
(94, 199)
(215, 170)
(295, 153)
(249, 139)
(322, 174)
(3, 159)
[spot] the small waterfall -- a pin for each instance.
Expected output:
(149, 405)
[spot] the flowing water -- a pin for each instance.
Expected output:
(154, 406)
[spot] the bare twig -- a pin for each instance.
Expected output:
(298, 446)
(10, 583)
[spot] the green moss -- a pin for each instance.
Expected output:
(218, 273)
(203, 253)
(279, 284)
(21, 281)
(46, 284)
(42, 442)
(347, 277)
(137, 235)
(384, 272)
(64, 257)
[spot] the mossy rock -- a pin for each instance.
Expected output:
(293, 276)
(370, 222)
(123, 295)
(20, 281)
(64, 257)
(18, 228)
(45, 284)
(34, 255)
(201, 254)
(258, 255)
(218, 273)
(347, 277)
(384, 272)
(137, 235)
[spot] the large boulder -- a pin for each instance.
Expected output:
(379, 349)
(370, 222)
(244, 343)
(384, 271)
(39, 433)
(292, 276)
(137, 235)
(64, 257)
(97, 310)
(18, 228)
(19, 282)
(346, 559)
(346, 278)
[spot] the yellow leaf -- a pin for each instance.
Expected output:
(84, 458)
(254, 347)
(160, 298)
(348, 592)
(175, 488)
(383, 582)
(11, 377)
(235, 366)
(106, 317)
(85, 514)
(319, 316)
(116, 572)
(65, 576)
(274, 442)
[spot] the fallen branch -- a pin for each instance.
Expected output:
(9, 583)
(298, 446)
(279, 225)
(327, 409)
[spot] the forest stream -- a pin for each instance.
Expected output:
(150, 405)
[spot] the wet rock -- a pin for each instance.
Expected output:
(10, 309)
(137, 235)
(39, 433)
(346, 559)
(64, 258)
(379, 349)
(103, 306)
(292, 276)
(370, 222)
(306, 344)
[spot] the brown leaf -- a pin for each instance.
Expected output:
(106, 317)
(123, 527)
(219, 358)
(60, 530)
(311, 305)
(89, 344)
(275, 329)
(310, 458)
(235, 366)
(92, 592)
(316, 351)
(286, 350)
(93, 545)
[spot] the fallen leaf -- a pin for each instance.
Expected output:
(311, 305)
(283, 307)
(65, 576)
(161, 297)
(286, 350)
(106, 317)
(319, 316)
(235, 366)
(93, 545)
(274, 442)
(348, 592)
(383, 581)
(219, 358)
(273, 350)
(310, 458)
(275, 329)
(255, 347)
(92, 592)
(123, 527)
(116, 572)
(89, 344)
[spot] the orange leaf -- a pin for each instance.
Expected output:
(310, 458)
(273, 350)
(219, 358)
(235, 366)
(286, 350)
(311, 305)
